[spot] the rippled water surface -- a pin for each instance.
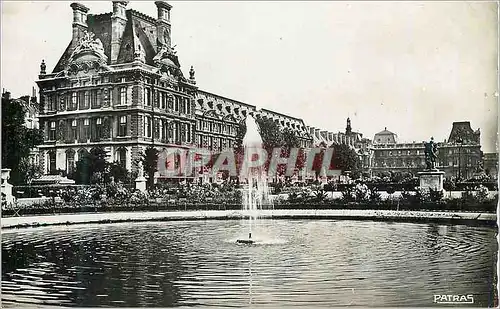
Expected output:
(304, 263)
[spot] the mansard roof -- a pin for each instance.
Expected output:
(140, 32)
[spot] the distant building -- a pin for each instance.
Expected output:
(385, 137)
(459, 156)
(490, 164)
(349, 137)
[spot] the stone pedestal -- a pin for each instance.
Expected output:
(7, 187)
(140, 184)
(431, 179)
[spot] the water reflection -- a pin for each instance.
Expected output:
(332, 263)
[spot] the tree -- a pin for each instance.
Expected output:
(270, 133)
(150, 163)
(118, 172)
(291, 140)
(271, 137)
(29, 171)
(17, 139)
(241, 130)
(346, 159)
(92, 167)
(82, 173)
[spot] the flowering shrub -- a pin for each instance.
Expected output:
(482, 193)
(361, 192)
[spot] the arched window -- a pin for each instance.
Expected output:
(122, 157)
(70, 160)
(52, 162)
(82, 153)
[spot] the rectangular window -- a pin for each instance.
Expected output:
(123, 96)
(170, 101)
(163, 100)
(176, 108)
(157, 128)
(74, 98)
(188, 106)
(147, 97)
(86, 100)
(86, 129)
(148, 126)
(98, 128)
(100, 95)
(157, 98)
(183, 106)
(122, 128)
(93, 99)
(73, 129)
(50, 103)
(81, 100)
(52, 131)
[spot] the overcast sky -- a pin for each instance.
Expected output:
(413, 67)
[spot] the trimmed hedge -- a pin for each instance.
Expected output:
(443, 205)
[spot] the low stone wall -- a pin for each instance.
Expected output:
(26, 202)
(384, 215)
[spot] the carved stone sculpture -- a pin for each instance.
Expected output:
(430, 154)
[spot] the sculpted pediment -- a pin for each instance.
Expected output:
(168, 63)
(89, 45)
(87, 57)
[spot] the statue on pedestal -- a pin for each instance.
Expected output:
(430, 154)
(140, 181)
(140, 170)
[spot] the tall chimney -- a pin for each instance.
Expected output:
(163, 23)
(118, 23)
(79, 21)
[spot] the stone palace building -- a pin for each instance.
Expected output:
(119, 85)
(458, 156)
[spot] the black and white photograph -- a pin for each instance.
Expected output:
(244, 154)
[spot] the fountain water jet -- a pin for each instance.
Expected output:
(257, 191)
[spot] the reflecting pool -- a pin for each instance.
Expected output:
(297, 262)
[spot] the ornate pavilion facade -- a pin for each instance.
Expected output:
(119, 86)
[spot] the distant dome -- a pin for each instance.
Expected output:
(385, 137)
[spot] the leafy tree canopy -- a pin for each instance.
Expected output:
(17, 140)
